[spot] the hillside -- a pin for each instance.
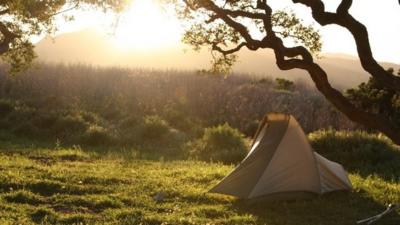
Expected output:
(88, 46)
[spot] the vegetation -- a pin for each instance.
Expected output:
(374, 97)
(53, 185)
(22, 19)
(115, 106)
(229, 26)
(283, 84)
(85, 145)
(220, 144)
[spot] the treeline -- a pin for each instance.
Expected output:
(61, 101)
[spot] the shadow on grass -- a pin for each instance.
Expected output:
(330, 209)
(360, 152)
(37, 150)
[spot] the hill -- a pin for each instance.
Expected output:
(91, 47)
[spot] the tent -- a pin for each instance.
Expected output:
(282, 165)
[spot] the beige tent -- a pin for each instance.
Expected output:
(282, 165)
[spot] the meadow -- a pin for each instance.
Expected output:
(56, 185)
(88, 145)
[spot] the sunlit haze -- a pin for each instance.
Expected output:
(146, 26)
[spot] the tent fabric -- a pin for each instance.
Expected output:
(333, 176)
(282, 164)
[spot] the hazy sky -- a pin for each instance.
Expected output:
(145, 25)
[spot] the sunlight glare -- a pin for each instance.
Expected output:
(146, 26)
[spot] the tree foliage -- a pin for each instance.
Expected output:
(283, 84)
(227, 26)
(22, 19)
(374, 97)
(205, 29)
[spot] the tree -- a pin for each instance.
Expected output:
(374, 97)
(227, 26)
(22, 19)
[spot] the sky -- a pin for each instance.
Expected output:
(145, 26)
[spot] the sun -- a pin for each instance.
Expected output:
(145, 25)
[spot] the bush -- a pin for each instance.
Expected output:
(70, 124)
(5, 107)
(130, 122)
(152, 134)
(250, 128)
(45, 121)
(22, 113)
(89, 117)
(283, 84)
(154, 127)
(171, 144)
(25, 129)
(96, 135)
(221, 143)
(359, 151)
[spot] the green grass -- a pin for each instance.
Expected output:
(42, 185)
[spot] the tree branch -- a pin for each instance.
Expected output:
(360, 34)
(65, 10)
(4, 11)
(8, 38)
(344, 7)
(320, 78)
(317, 74)
(229, 51)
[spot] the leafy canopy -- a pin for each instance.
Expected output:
(374, 97)
(22, 19)
(205, 27)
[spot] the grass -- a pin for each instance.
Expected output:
(43, 185)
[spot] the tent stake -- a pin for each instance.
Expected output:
(373, 219)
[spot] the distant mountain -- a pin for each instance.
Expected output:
(91, 47)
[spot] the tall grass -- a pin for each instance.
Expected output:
(182, 98)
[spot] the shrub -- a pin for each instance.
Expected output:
(155, 135)
(89, 117)
(358, 151)
(283, 84)
(69, 124)
(96, 135)
(5, 107)
(221, 143)
(5, 124)
(153, 127)
(45, 121)
(171, 145)
(250, 128)
(25, 129)
(22, 113)
(130, 122)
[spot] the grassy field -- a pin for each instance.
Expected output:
(55, 185)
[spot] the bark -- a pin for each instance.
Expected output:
(359, 32)
(318, 75)
(7, 39)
